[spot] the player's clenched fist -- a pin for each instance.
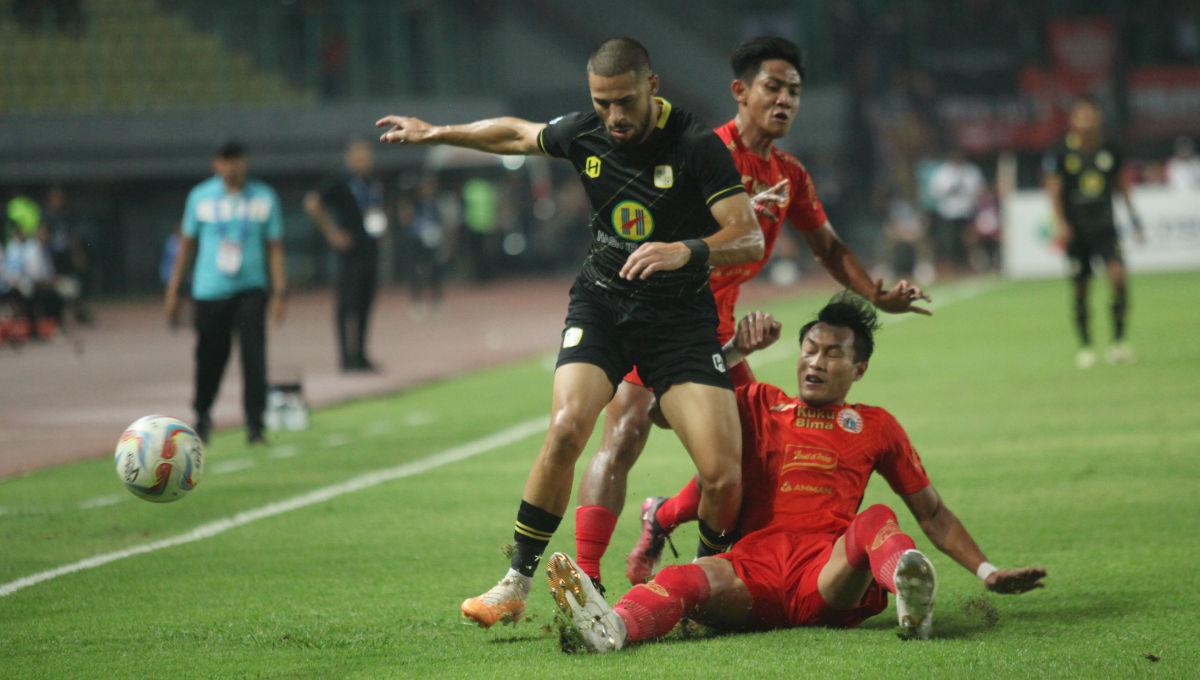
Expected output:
(755, 331)
(403, 129)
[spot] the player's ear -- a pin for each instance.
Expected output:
(739, 90)
(860, 369)
(653, 83)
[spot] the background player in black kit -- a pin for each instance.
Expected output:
(667, 202)
(1080, 175)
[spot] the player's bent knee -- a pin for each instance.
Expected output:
(722, 483)
(567, 436)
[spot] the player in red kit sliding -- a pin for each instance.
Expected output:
(807, 557)
(768, 76)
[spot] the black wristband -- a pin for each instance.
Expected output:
(699, 250)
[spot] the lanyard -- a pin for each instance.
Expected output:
(242, 223)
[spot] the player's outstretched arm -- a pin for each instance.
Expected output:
(951, 537)
(841, 263)
(507, 135)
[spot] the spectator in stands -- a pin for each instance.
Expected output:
(233, 230)
(956, 188)
(349, 210)
(907, 250)
(66, 253)
(425, 239)
(983, 237)
(481, 207)
(29, 272)
(1183, 170)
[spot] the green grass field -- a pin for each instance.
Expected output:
(1094, 475)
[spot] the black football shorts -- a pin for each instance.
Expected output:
(671, 341)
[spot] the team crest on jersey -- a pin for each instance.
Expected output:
(591, 167)
(632, 221)
(1091, 184)
(1104, 160)
(664, 176)
(849, 420)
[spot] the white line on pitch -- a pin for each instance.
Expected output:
(226, 466)
(285, 451)
(471, 449)
(102, 501)
(335, 440)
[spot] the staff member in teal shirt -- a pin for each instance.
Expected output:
(233, 230)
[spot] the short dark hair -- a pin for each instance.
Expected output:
(1087, 100)
(231, 149)
(617, 56)
(749, 56)
(848, 310)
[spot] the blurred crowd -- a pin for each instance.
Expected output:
(43, 268)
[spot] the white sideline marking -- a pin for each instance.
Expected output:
(471, 449)
(378, 428)
(418, 418)
(335, 440)
(101, 501)
(227, 466)
(285, 451)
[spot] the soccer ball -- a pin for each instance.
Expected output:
(159, 458)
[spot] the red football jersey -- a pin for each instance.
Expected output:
(805, 469)
(802, 208)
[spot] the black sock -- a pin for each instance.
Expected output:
(531, 535)
(1119, 306)
(712, 542)
(1081, 317)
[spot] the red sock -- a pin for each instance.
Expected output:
(594, 526)
(652, 609)
(875, 540)
(682, 507)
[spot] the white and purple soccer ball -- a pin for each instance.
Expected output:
(159, 458)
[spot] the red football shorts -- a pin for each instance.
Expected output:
(781, 569)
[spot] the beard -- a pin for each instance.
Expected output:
(634, 132)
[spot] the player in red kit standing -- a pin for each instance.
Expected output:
(768, 76)
(807, 557)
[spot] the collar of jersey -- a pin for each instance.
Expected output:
(664, 114)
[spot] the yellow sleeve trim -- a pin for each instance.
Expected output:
(541, 144)
(723, 191)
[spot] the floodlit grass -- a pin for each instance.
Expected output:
(1093, 474)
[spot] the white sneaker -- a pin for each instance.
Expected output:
(602, 629)
(1120, 353)
(916, 588)
(1085, 359)
(504, 603)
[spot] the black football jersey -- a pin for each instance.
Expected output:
(656, 190)
(1088, 179)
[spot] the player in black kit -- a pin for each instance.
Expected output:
(667, 202)
(1080, 175)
